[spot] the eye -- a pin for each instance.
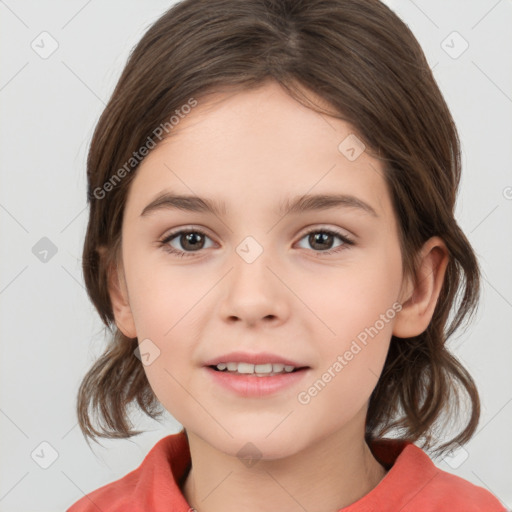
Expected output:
(188, 240)
(323, 239)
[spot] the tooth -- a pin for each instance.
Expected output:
(255, 369)
(245, 368)
(263, 368)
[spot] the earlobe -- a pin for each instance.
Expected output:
(418, 308)
(120, 302)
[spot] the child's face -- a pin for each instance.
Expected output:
(253, 151)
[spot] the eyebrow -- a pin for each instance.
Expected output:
(305, 203)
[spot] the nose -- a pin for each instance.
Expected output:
(253, 293)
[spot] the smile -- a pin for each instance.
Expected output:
(250, 382)
(260, 370)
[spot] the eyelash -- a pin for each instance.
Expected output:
(166, 247)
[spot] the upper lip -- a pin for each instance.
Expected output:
(255, 358)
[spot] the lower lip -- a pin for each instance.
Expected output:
(254, 386)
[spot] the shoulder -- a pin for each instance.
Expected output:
(415, 484)
(114, 497)
(450, 492)
(152, 486)
(440, 491)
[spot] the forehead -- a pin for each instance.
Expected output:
(258, 147)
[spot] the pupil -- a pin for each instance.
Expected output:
(191, 240)
(320, 238)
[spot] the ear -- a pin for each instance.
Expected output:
(118, 293)
(418, 308)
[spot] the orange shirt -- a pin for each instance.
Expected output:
(412, 484)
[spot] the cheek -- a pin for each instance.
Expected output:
(354, 297)
(361, 311)
(173, 339)
(358, 305)
(162, 293)
(165, 304)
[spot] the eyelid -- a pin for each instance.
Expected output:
(326, 227)
(188, 228)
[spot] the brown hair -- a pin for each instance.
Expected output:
(360, 58)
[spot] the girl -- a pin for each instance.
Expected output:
(272, 241)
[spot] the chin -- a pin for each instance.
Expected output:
(253, 442)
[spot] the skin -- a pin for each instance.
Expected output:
(253, 149)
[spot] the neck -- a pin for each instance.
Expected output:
(329, 475)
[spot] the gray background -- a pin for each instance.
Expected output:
(50, 333)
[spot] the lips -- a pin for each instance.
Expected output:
(255, 380)
(254, 385)
(254, 358)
